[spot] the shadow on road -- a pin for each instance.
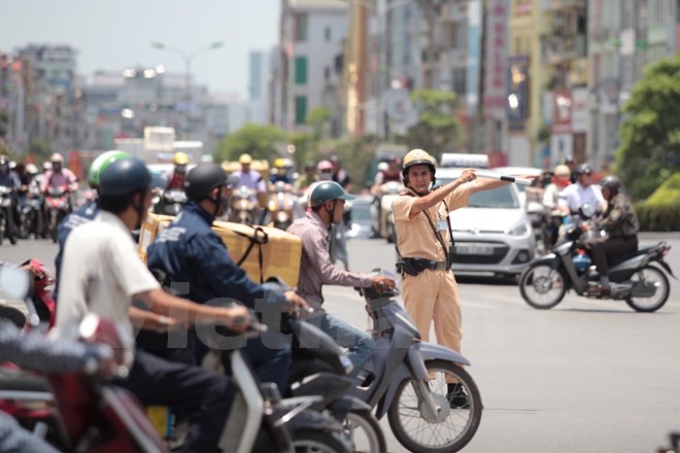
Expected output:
(485, 280)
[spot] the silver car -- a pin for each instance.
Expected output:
(493, 234)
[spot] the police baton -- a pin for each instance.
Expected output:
(523, 181)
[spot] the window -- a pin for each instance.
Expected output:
(300, 109)
(300, 70)
(327, 34)
(301, 23)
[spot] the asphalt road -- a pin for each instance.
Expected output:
(586, 376)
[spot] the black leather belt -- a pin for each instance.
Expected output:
(421, 263)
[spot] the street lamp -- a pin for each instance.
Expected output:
(187, 57)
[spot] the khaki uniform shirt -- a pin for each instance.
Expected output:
(415, 238)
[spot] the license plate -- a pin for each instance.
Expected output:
(474, 250)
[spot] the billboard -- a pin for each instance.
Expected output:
(496, 58)
(518, 92)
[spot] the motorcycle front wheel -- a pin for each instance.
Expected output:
(650, 275)
(541, 286)
(452, 428)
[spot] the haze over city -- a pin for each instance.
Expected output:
(112, 35)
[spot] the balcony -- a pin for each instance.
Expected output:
(562, 49)
(561, 5)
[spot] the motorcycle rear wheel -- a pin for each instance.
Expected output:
(407, 404)
(12, 315)
(372, 438)
(533, 284)
(638, 303)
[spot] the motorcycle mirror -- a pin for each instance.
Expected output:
(14, 282)
(534, 207)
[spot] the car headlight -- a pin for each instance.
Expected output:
(519, 230)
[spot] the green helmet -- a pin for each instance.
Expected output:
(100, 163)
(326, 191)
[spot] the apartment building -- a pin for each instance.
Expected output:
(311, 38)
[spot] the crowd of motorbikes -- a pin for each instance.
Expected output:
(323, 410)
(33, 214)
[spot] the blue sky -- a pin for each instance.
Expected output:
(115, 34)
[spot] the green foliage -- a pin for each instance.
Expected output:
(261, 142)
(305, 148)
(4, 120)
(650, 137)
(437, 128)
(661, 211)
(40, 148)
(544, 133)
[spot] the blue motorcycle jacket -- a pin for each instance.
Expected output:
(194, 258)
(84, 214)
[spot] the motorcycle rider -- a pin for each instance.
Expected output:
(621, 224)
(189, 251)
(429, 288)
(325, 170)
(58, 175)
(326, 201)
(102, 273)
(253, 180)
(308, 178)
(281, 174)
(392, 173)
(179, 173)
(85, 213)
(583, 192)
(560, 180)
(9, 179)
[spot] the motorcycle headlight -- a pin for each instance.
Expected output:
(519, 230)
(271, 205)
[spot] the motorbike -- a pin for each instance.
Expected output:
(282, 206)
(31, 216)
(40, 305)
(260, 420)
(406, 380)
(313, 348)
(7, 215)
(170, 202)
(381, 210)
(58, 206)
(243, 206)
(634, 277)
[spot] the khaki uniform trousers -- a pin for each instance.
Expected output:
(433, 295)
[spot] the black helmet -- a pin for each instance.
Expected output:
(612, 183)
(203, 178)
(582, 169)
(124, 177)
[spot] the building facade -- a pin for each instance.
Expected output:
(312, 36)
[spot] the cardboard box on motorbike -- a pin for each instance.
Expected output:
(263, 252)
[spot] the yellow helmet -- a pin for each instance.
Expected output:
(180, 159)
(245, 159)
(280, 162)
(417, 157)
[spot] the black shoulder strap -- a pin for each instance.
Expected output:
(436, 233)
(452, 241)
(259, 237)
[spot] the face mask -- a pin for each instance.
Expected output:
(325, 176)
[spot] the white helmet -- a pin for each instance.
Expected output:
(56, 157)
(31, 169)
(47, 166)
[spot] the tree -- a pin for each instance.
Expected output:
(436, 128)
(261, 142)
(650, 136)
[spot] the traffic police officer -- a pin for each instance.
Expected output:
(188, 250)
(429, 287)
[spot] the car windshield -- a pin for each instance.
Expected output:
(501, 198)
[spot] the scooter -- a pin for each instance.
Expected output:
(7, 227)
(643, 286)
(31, 219)
(39, 301)
(58, 206)
(281, 206)
(243, 206)
(314, 349)
(406, 380)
